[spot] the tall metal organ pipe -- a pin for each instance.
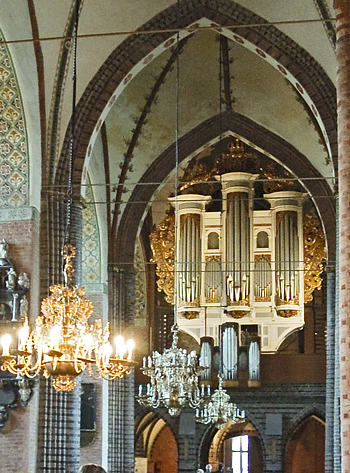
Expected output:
(237, 246)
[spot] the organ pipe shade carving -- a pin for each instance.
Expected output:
(287, 257)
(314, 253)
(189, 265)
(213, 279)
(162, 242)
(237, 248)
(262, 279)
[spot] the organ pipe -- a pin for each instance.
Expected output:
(254, 360)
(190, 258)
(237, 246)
(229, 350)
(287, 256)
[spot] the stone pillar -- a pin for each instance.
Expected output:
(336, 422)
(121, 391)
(343, 92)
(59, 430)
(330, 387)
(59, 413)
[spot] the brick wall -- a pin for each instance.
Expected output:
(20, 433)
(163, 457)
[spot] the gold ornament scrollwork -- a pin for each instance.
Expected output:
(314, 253)
(162, 242)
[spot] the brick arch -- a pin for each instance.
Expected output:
(194, 140)
(270, 41)
(212, 435)
(303, 417)
(299, 427)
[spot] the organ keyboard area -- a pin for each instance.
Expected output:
(240, 272)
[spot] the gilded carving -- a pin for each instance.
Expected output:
(240, 303)
(212, 258)
(197, 176)
(262, 299)
(194, 303)
(275, 182)
(294, 301)
(162, 242)
(260, 257)
(286, 313)
(237, 314)
(190, 314)
(239, 158)
(314, 252)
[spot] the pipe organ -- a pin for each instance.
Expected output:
(240, 267)
(240, 264)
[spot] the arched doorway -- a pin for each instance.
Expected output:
(305, 449)
(239, 448)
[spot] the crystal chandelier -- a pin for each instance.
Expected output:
(218, 409)
(63, 344)
(174, 373)
(174, 379)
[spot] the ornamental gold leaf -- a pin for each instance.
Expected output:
(162, 243)
(314, 253)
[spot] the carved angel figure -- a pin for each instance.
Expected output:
(23, 308)
(11, 279)
(23, 281)
(3, 249)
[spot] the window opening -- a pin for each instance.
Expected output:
(240, 448)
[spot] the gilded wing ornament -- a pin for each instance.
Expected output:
(314, 253)
(162, 243)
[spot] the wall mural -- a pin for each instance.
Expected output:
(91, 257)
(13, 143)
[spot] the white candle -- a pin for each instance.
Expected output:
(107, 350)
(23, 337)
(130, 345)
(119, 346)
(55, 335)
(5, 342)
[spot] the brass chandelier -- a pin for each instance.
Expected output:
(63, 344)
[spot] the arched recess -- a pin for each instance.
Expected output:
(138, 49)
(155, 445)
(305, 448)
(208, 131)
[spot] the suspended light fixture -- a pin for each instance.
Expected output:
(174, 373)
(218, 409)
(63, 344)
(174, 379)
